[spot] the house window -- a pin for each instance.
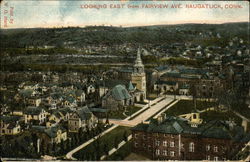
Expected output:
(75, 123)
(207, 157)
(191, 147)
(216, 158)
(207, 147)
(157, 143)
(172, 153)
(157, 152)
(165, 152)
(215, 148)
(144, 137)
(149, 147)
(164, 143)
(136, 144)
(172, 144)
(144, 145)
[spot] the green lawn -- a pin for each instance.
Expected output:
(122, 153)
(218, 115)
(105, 143)
(186, 106)
(119, 114)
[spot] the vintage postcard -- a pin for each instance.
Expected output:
(124, 80)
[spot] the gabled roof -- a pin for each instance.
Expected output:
(84, 113)
(9, 119)
(65, 110)
(26, 92)
(51, 131)
(176, 125)
(33, 110)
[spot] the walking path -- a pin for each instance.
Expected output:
(113, 150)
(165, 109)
(69, 154)
(156, 107)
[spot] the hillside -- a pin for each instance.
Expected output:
(77, 37)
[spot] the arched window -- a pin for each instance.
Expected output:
(191, 147)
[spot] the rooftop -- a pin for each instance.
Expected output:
(176, 125)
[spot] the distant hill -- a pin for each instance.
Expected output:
(76, 36)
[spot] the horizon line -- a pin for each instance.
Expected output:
(124, 26)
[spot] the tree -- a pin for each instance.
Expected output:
(62, 145)
(106, 149)
(42, 147)
(48, 149)
(116, 142)
(107, 119)
(125, 136)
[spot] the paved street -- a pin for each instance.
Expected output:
(69, 154)
(156, 107)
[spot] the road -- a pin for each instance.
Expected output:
(156, 107)
(69, 154)
(145, 113)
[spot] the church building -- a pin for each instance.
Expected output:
(127, 91)
(138, 77)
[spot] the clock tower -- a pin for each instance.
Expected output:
(138, 77)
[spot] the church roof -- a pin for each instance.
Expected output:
(130, 86)
(119, 92)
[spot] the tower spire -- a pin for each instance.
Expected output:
(138, 61)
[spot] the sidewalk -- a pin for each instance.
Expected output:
(69, 154)
(113, 150)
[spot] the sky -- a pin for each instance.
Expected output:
(31, 14)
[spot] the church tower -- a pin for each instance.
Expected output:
(138, 77)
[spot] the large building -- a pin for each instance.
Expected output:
(175, 138)
(138, 76)
(131, 84)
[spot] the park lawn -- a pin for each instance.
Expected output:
(119, 114)
(187, 106)
(103, 144)
(121, 153)
(132, 110)
(219, 115)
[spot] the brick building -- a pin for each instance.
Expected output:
(174, 138)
